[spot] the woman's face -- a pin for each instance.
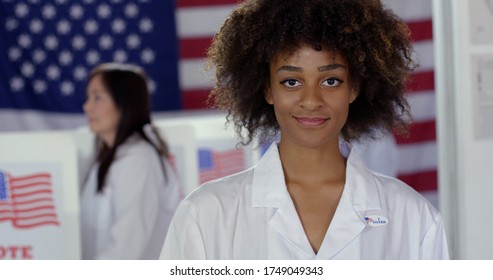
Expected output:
(311, 92)
(101, 111)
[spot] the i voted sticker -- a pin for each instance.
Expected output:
(376, 221)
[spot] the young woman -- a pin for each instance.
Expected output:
(131, 192)
(322, 73)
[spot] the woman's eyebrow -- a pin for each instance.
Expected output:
(331, 67)
(290, 68)
(320, 68)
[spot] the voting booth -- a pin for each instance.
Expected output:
(39, 205)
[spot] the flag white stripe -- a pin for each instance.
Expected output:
(422, 105)
(424, 55)
(200, 21)
(417, 157)
(192, 74)
(411, 10)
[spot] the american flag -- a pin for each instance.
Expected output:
(48, 47)
(26, 201)
(150, 24)
(215, 164)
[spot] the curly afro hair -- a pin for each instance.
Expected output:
(375, 42)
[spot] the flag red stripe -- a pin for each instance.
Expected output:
(36, 216)
(195, 99)
(34, 184)
(5, 212)
(422, 81)
(421, 30)
(194, 47)
(32, 225)
(419, 132)
(35, 176)
(421, 181)
(198, 3)
(35, 209)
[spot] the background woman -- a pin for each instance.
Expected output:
(131, 191)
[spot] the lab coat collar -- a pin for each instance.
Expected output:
(360, 181)
(360, 194)
(269, 186)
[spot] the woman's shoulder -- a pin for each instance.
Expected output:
(225, 191)
(391, 191)
(135, 146)
(135, 154)
(395, 194)
(393, 186)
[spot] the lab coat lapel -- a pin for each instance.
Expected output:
(269, 190)
(345, 226)
(360, 195)
(286, 222)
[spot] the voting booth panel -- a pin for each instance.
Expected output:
(39, 204)
(85, 143)
(218, 152)
(183, 156)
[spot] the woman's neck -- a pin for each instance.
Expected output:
(108, 139)
(313, 166)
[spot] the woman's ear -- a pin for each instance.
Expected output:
(353, 95)
(268, 96)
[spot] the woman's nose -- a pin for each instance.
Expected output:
(311, 98)
(85, 106)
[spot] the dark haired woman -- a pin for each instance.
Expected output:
(322, 73)
(131, 191)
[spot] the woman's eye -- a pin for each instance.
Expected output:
(291, 83)
(96, 98)
(332, 82)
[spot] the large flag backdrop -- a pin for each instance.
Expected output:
(47, 47)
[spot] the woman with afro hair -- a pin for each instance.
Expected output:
(319, 73)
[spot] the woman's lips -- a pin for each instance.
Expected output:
(310, 121)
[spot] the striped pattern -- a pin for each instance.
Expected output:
(198, 20)
(27, 201)
(217, 164)
(418, 159)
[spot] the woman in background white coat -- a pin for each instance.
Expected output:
(323, 73)
(131, 191)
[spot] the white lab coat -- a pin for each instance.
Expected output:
(130, 218)
(250, 215)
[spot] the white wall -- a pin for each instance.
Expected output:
(463, 33)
